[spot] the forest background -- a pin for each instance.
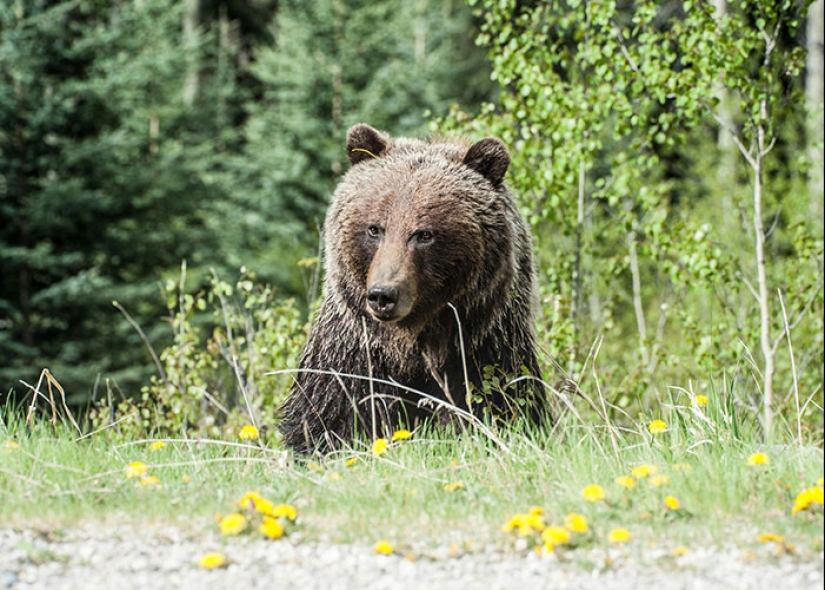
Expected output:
(165, 167)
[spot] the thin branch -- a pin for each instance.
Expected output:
(143, 337)
(735, 137)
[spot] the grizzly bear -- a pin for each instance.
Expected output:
(429, 289)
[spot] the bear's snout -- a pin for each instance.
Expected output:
(382, 301)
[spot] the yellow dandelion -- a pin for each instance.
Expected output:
(232, 524)
(10, 445)
(536, 510)
(657, 427)
(807, 497)
(352, 461)
(136, 469)
(619, 536)
(383, 547)
(593, 493)
(401, 435)
(284, 510)
(679, 551)
(576, 522)
(555, 535)
(453, 486)
(643, 470)
(157, 445)
(212, 560)
(524, 524)
(379, 447)
(770, 538)
(248, 432)
(658, 481)
(185, 478)
(271, 528)
(700, 401)
(672, 502)
(625, 481)
(150, 480)
(254, 501)
(758, 459)
(249, 499)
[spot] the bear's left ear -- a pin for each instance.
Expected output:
(364, 142)
(489, 158)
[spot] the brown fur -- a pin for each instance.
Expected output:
(415, 226)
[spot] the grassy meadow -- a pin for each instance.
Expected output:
(695, 476)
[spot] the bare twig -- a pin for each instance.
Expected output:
(143, 337)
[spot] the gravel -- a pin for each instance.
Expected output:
(126, 557)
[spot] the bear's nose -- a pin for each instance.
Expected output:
(382, 300)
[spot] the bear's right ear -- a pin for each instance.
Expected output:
(364, 142)
(489, 158)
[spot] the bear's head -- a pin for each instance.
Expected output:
(417, 225)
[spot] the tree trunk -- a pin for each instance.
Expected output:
(762, 276)
(814, 103)
(190, 42)
(638, 305)
(726, 169)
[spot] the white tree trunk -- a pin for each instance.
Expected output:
(814, 103)
(190, 42)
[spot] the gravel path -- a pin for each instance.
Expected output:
(125, 558)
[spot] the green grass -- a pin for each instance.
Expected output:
(51, 479)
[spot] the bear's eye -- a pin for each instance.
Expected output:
(425, 236)
(374, 231)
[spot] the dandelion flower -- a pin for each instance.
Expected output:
(453, 486)
(625, 481)
(536, 510)
(700, 401)
(806, 497)
(593, 493)
(555, 535)
(658, 481)
(383, 547)
(576, 522)
(672, 503)
(770, 538)
(619, 536)
(248, 432)
(136, 469)
(10, 445)
(524, 524)
(212, 560)
(271, 528)
(657, 427)
(352, 461)
(284, 510)
(150, 480)
(379, 447)
(157, 445)
(401, 435)
(644, 470)
(758, 459)
(232, 524)
(254, 501)
(679, 551)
